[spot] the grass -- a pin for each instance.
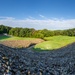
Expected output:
(51, 43)
(54, 42)
(4, 38)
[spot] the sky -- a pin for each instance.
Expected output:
(38, 14)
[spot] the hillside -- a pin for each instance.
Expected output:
(27, 62)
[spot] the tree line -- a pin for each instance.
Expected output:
(4, 29)
(31, 32)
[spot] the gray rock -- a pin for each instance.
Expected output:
(15, 61)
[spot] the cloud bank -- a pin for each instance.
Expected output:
(51, 24)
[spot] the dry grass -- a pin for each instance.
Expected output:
(21, 43)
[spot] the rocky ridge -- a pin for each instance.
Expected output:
(25, 61)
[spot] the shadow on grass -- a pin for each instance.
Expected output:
(2, 37)
(39, 49)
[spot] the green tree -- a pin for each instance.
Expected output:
(4, 29)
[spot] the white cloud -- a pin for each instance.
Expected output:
(39, 24)
(8, 18)
(42, 16)
(30, 17)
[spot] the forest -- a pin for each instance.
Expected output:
(31, 32)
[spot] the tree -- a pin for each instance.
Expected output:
(4, 29)
(22, 33)
(37, 34)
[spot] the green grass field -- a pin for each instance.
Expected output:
(4, 38)
(54, 42)
(51, 43)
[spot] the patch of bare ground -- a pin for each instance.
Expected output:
(21, 43)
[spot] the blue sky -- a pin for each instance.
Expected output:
(38, 14)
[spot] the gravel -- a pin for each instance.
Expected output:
(25, 61)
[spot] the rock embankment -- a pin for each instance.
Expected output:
(27, 62)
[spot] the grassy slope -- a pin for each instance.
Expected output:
(4, 38)
(55, 42)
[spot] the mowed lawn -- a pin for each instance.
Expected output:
(54, 42)
(4, 38)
